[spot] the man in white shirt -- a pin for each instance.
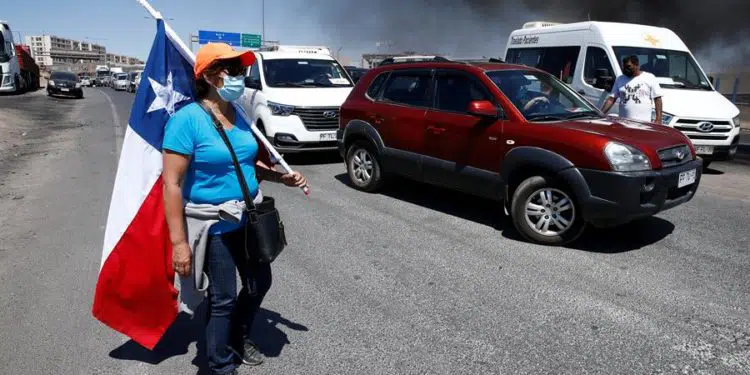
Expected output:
(637, 91)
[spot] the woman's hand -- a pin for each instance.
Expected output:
(182, 259)
(294, 179)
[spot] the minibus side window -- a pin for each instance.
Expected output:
(558, 61)
(596, 58)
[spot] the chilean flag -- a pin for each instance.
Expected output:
(135, 291)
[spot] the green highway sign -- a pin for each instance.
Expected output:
(250, 40)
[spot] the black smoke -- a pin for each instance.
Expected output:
(718, 31)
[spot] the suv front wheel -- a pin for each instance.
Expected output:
(363, 166)
(545, 212)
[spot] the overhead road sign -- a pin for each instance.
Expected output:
(233, 39)
(250, 40)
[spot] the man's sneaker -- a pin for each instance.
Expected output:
(250, 354)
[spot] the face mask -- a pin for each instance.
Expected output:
(233, 88)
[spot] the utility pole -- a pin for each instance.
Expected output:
(263, 21)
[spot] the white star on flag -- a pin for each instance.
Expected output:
(166, 96)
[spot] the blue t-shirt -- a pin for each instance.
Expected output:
(211, 177)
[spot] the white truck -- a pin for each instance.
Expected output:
(102, 75)
(293, 93)
(588, 56)
(18, 70)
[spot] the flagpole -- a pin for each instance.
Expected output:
(188, 54)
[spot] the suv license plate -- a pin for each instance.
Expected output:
(704, 150)
(65, 90)
(686, 178)
(328, 136)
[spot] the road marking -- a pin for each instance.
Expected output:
(119, 133)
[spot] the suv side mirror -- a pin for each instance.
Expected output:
(711, 79)
(252, 84)
(603, 80)
(483, 108)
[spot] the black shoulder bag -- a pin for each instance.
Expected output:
(264, 230)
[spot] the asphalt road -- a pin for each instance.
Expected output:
(416, 280)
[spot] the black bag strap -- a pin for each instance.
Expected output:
(249, 205)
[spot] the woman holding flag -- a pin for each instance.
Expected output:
(199, 169)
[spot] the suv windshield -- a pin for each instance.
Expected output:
(4, 57)
(305, 73)
(673, 69)
(63, 76)
(541, 97)
(122, 76)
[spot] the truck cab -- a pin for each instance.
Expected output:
(588, 57)
(293, 93)
(10, 70)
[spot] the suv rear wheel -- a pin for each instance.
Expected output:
(363, 166)
(545, 212)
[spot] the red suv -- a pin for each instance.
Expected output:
(515, 134)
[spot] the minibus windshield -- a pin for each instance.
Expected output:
(673, 69)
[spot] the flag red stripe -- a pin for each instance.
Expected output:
(135, 293)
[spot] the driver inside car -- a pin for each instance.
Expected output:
(544, 98)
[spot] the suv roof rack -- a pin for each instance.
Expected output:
(417, 59)
(412, 59)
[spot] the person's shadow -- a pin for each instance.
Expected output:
(184, 331)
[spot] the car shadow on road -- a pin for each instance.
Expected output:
(184, 331)
(713, 172)
(482, 211)
(465, 206)
(313, 158)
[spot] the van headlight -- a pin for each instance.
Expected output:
(278, 109)
(736, 121)
(624, 158)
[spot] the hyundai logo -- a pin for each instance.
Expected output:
(705, 127)
(329, 114)
(679, 154)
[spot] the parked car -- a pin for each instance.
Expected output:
(64, 83)
(355, 72)
(513, 134)
(121, 82)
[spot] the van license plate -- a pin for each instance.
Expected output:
(686, 178)
(704, 150)
(328, 136)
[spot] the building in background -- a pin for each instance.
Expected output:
(53, 52)
(50, 50)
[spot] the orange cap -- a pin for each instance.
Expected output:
(212, 52)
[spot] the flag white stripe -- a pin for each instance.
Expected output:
(139, 167)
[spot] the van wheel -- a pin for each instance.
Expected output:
(363, 167)
(545, 212)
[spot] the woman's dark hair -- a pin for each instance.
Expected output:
(202, 87)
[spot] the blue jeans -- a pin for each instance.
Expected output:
(231, 315)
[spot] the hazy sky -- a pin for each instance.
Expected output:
(124, 27)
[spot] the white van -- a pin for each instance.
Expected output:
(293, 93)
(588, 56)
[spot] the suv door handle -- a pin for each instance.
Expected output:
(435, 129)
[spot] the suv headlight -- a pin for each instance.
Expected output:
(736, 121)
(78, 85)
(624, 158)
(51, 83)
(278, 109)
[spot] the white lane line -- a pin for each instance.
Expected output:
(119, 131)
